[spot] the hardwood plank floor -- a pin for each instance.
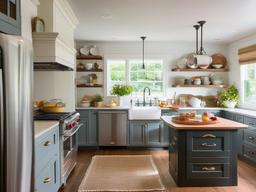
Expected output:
(246, 172)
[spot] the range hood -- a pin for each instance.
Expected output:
(51, 53)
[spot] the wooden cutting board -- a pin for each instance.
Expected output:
(193, 122)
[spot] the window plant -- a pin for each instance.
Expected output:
(121, 91)
(229, 97)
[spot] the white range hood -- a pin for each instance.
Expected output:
(50, 53)
(54, 49)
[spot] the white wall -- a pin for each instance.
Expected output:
(28, 11)
(235, 67)
(59, 85)
(168, 51)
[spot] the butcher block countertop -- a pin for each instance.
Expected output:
(223, 124)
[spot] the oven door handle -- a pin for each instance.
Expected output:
(69, 134)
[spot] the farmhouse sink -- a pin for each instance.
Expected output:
(144, 113)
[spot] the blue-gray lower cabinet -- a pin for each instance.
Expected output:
(147, 134)
(47, 162)
(203, 158)
(88, 133)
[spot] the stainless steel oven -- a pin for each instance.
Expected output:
(68, 140)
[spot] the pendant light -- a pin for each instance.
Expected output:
(143, 51)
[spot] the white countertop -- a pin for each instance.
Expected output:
(42, 127)
(236, 110)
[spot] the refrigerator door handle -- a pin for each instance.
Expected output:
(1, 132)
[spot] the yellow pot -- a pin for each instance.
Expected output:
(53, 109)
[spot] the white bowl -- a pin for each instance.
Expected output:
(217, 66)
(89, 66)
(195, 102)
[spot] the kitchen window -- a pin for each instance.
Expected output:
(131, 72)
(249, 85)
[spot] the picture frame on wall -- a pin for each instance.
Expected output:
(38, 25)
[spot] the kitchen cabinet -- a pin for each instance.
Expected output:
(112, 128)
(202, 158)
(10, 18)
(88, 133)
(47, 161)
(147, 134)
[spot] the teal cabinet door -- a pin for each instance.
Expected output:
(93, 128)
(88, 133)
(10, 18)
(47, 162)
(137, 133)
(153, 132)
(83, 132)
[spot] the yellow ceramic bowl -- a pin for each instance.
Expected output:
(53, 109)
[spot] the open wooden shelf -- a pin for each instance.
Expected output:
(89, 86)
(200, 70)
(203, 86)
(89, 57)
(93, 70)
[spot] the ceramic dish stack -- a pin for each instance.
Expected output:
(89, 50)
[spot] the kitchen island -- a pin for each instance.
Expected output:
(203, 155)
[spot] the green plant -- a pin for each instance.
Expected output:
(229, 94)
(122, 90)
(97, 98)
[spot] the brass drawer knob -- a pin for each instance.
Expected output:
(47, 180)
(47, 143)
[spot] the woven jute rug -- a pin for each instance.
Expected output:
(122, 173)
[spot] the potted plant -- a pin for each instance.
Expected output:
(229, 97)
(97, 101)
(121, 91)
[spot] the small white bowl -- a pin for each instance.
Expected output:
(217, 66)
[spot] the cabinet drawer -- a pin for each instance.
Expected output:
(208, 143)
(250, 136)
(49, 178)
(249, 152)
(250, 121)
(208, 170)
(46, 147)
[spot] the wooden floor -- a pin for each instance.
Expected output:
(246, 172)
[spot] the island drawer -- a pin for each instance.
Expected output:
(208, 170)
(249, 152)
(208, 143)
(250, 136)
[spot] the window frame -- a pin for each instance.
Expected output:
(127, 60)
(244, 104)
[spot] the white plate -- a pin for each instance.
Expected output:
(94, 51)
(85, 50)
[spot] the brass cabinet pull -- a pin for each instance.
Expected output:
(47, 143)
(208, 145)
(47, 180)
(112, 143)
(208, 168)
(209, 136)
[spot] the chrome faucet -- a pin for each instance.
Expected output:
(144, 91)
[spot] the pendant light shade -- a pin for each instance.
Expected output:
(143, 51)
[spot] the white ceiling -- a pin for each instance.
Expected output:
(163, 20)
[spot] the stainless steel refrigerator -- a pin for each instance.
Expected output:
(16, 120)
